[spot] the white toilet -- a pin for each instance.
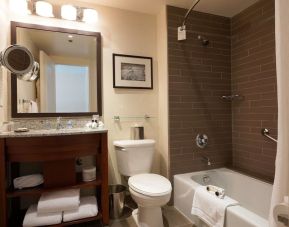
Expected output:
(149, 191)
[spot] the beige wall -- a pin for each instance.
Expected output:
(126, 32)
(4, 34)
(163, 90)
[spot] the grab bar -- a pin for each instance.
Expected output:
(265, 132)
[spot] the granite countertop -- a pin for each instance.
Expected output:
(52, 132)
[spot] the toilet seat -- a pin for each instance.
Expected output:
(150, 184)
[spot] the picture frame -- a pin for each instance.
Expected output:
(133, 72)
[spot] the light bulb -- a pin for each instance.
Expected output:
(90, 16)
(68, 12)
(44, 9)
(19, 7)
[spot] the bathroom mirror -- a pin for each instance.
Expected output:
(69, 81)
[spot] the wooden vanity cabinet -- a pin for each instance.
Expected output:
(57, 155)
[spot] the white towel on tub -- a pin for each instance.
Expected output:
(87, 208)
(58, 201)
(210, 208)
(33, 219)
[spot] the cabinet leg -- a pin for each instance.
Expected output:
(3, 201)
(104, 176)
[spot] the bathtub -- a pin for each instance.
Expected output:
(253, 196)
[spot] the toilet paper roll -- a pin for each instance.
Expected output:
(280, 213)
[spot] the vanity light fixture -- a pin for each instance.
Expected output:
(90, 16)
(68, 12)
(44, 9)
(20, 6)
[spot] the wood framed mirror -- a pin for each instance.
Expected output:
(69, 81)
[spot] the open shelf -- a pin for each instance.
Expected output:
(17, 219)
(13, 193)
(99, 216)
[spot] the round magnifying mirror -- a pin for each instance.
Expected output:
(17, 59)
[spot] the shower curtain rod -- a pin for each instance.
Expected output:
(189, 11)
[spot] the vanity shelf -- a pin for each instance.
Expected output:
(21, 214)
(56, 154)
(37, 191)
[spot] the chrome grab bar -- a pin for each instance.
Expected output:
(265, 132)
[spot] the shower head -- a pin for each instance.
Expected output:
(204, 41)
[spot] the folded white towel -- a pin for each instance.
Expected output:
(33, 219)
(87, 208)
(210, 208)
(33, 107)
(58, 201)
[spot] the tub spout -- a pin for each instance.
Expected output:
(207, 160)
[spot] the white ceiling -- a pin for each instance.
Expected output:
(226, 8)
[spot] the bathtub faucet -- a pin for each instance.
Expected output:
(206, 159)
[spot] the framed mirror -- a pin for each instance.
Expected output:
(69, 79)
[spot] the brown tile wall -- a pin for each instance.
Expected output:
(254, 76)
(198, 77)
(239, 60)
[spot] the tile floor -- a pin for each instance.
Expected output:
(172, 218)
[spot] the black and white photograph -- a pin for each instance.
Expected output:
(134, 72)
(131, 71)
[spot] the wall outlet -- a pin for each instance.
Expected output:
(182, 33)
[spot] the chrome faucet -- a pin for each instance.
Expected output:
(206, 159)
(58, 123)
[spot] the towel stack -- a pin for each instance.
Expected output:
(56, 206)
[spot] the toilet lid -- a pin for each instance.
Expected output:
(150, 184)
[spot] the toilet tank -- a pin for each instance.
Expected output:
(134, 156)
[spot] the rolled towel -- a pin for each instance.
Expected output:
(219, 192)
(58, 201)
(28, 181)
(33, 219)
(87, 208)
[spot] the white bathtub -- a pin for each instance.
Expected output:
(252, 194)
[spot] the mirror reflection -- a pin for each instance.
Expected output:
(67, 81)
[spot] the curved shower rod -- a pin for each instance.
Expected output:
(188, 13)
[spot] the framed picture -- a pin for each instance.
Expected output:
(132, 72)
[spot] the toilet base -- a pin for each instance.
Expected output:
(148, 217)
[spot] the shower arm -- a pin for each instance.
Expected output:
(189, 11)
